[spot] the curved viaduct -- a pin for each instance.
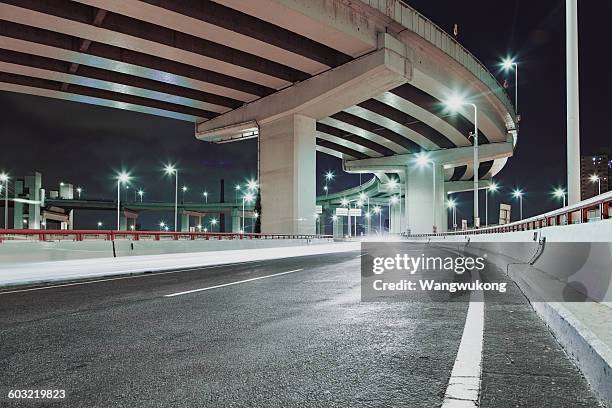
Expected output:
(363, 80)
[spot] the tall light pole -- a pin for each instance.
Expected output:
(560, 193)
(452, 205)
(205, 194)
(491, 188)
(326, 189)
(99, 224)
(213, 222)
(79, 191)
(517, 193)
(247, 198)
(454, 104)
(141, 193)
(124, 178)
(508, 64)
(170, 170)
(5, 179)
(596, 179)
(573, 96)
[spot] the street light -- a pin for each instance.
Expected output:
(517, 193)
(99, 224)
(392, 201)
(508, 64)
(493, 187)
(252, 185)
(454, 104)
(141, 193)
(256, 216)
(452, 205)
(124, 178)
(5, 179)
(162, 225)
(79, 190)
(326, 189)
(169, 169)
(560, 193)
(236, 190)
(205, 194)
(329, 176)
(184, 190)
(248, 197)
(596, 179)
(213, 222)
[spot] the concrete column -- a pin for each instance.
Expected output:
(287, 175)
(395, 218)
(236, 221)
(338, 227)
(184, 222)
(123, 222)
(421, 206)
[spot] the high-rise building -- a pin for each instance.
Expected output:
(600, 165)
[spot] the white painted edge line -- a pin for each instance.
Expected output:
(231, 283)
(463, 388)
(142, 275)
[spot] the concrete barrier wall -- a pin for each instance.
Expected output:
(579, 254)
(35, 251)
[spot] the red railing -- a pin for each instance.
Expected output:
(600, 206)
(109, 235)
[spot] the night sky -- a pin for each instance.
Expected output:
(85, 145)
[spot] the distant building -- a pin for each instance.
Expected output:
(599, 164)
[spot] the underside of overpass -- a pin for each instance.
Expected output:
(364, 81)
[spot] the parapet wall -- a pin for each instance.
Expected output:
(36, 251)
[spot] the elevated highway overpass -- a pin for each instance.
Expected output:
(364, 81)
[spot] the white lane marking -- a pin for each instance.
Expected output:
(143, 275)
(232, 283)
(463, 388)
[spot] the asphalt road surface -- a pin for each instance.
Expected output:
(301, 338)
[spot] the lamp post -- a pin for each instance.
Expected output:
(560, 193)
(205, 194)
(454, 104)
(247, 198)
(517, 193)
(491, 188)
(79, 190)
(255, 216)
(326, 189)
(170, 170)
(99, 224)
(213, 222)
(596, 179)
(141, 193)
(184, 190)
(122, 177)
(508, 64)
(5, 179)
(162, 225)
(236, 190)
(452, 205)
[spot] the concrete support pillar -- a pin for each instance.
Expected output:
(123, 222)
(421, 204)
(395, 219)
(287, 175)
(368, 224)
(573, 95)
(184, 222)
(338, 227)
(236, 221)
